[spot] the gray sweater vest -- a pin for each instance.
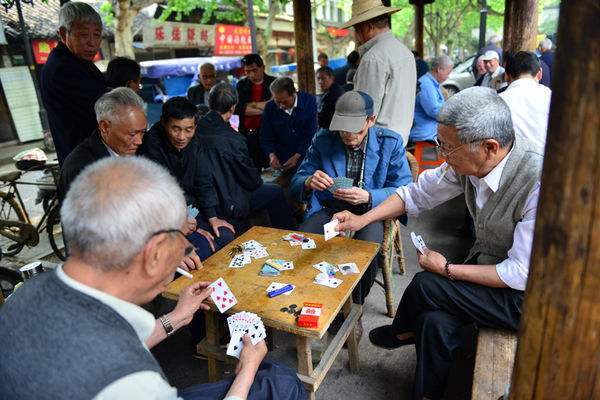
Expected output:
(58, 343)
(495, 223)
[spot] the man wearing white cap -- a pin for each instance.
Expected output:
(387, 70)
(494, 78)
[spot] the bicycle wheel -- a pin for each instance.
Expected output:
(10, 210)
(54, 229)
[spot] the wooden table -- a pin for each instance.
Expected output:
(249, 288)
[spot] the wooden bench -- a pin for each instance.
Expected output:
(493, 363)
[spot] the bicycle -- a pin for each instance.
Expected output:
(15, 223)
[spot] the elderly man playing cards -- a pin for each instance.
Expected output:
(355, 165)
(79, 333)
(498, 173)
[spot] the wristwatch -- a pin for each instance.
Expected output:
(166, 323)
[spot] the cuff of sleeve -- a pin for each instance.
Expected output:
(404, 194)
(504, 271)
(232, 398)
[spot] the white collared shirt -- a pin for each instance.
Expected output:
(291, 110)
(529, 104)
(426, 194)
(139, 385)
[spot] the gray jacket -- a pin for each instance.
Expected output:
(387, 72)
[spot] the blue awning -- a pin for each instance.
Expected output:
(186, 66)
(286, 68)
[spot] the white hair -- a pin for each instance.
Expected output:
(494, 39)
(546, 44)
(442, 61)
(75, 11)
(109, 105)
(115, 206)
(478, 113)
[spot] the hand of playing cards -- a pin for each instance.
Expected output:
(418, 242)
(240, 324)
(341, 182)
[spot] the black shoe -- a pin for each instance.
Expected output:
(385, 337)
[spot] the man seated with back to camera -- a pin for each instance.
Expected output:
(172, 143)
(353, 147)
(233, 188)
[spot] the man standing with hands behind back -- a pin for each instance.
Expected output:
(253, 92)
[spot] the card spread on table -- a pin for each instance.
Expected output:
(277, 285)
(326, 268)
(240, 260)
(418, 242)
(222, 296)
(330, 229)
(341, 182)
(326, 280)
(309, 245)
(267, 270)
(279, 264)
(348, 268)
(240, 324)
(251, 249)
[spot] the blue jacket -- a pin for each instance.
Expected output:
(386, 167)
(286, 135)
(427, 106)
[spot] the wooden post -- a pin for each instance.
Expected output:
(558, 355)
(419, 16)
(304, 50)
(520, 25)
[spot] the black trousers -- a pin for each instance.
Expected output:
(435, 308)
(371, 233)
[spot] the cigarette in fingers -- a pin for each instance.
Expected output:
(185, 273)
(446, 168)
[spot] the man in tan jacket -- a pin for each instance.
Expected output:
(387, 70)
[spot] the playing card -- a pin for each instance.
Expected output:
(277, 285)
(236, 344)
(330, 229)
(252, 245)
(240, 260)
(240, 324)
(310, 244)
(192, 211)
(326, 280)
(341, 182)
(258, 253)
(268, 270)
(326, 268)
(418, 242)
(287, 265)
(348, 268)
(222, 296)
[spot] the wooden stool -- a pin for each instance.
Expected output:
(427, 156)
(494, 362)
(392, 248)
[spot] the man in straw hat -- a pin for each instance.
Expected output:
(387, 70)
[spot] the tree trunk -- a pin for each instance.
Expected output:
(520, 25)
(304, 48)
(266, 34)
(124, 15)
(558, 355)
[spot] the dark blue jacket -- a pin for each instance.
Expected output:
(286, 135)
(70, 87)
(386, 167)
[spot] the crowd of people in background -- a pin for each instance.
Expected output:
(385, 98)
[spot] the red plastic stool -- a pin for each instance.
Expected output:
(427, 156)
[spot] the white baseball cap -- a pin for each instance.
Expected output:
(490, 55)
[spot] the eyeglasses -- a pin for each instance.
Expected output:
(188, 250)
(445, 152)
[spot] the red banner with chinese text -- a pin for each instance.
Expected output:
(42, 49)
(232, 40)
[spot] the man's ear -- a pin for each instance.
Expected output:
(62, 34)
(103, 126)
(371, 120)
(152, 253)
(492, 146)
(538, 76)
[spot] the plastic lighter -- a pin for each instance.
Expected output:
(279, 291)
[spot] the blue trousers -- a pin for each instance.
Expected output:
(200, 243)
(272, 382)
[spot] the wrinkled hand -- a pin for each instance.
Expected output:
(432, 261)
(190, 300)
(318, 181)
(216, 223)
(252, 354)
(348, 221)
(209, 238)
(353, 195)
(274, 161)
(189, 226)
(291, 162)
(191, 262)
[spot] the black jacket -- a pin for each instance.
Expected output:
(87, 152)
(233, 177)
(244, 89)
(70, 87)
(183, 165)
(195, 94)
(327, 105)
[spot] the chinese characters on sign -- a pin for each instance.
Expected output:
(178, 35)
(232, 40)
(43, 47)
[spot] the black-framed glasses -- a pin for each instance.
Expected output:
(445, 152)
(189, 248)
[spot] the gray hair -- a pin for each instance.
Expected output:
(283, 84)
(109, 105)
(546, 44)
(494, 39)
(442, 61)
(222, 97)
(75, 11)
(478, 113)
(107, 221)
(207, 66)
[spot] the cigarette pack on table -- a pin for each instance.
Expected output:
(309, 316)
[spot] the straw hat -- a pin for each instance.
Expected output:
(364, 10)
